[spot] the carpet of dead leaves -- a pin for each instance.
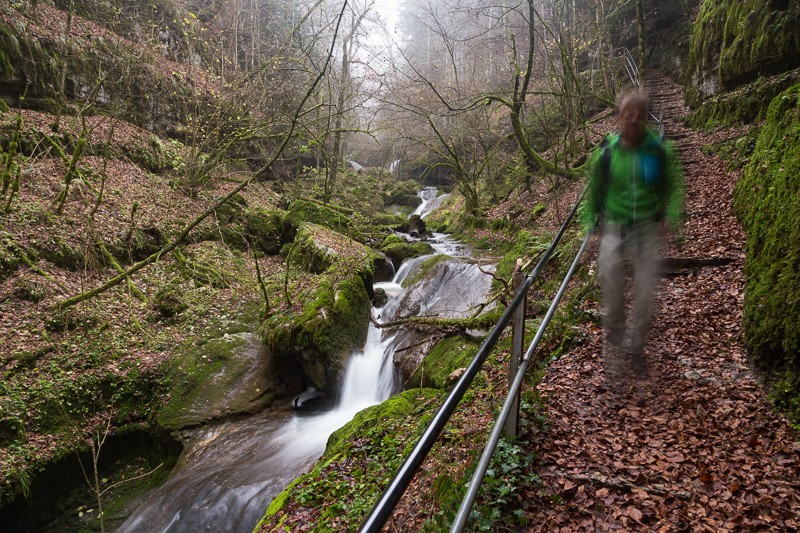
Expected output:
(696, 446)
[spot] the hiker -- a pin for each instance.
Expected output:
(636, 194)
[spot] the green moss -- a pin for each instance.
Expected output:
(738, 40)
(398, 249)
(382, 435)
(320, 338)
(170, 300)
(526, 247)
(204, 372)
(9, 261)
(766, 201)
(264, 228)
(424, 268)
(746, 105)
(62, 253)
(300, 211)
(447, 356)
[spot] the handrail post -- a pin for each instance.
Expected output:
(517, 345)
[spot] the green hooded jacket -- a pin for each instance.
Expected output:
(637, 189)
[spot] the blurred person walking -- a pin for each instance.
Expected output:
(636, 197)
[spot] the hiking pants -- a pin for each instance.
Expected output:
(642, 246)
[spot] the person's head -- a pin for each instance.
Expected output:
(633, 117)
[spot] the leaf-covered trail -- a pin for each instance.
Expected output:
(696, 446)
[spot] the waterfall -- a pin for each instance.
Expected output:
(230, 471)
(430, 201)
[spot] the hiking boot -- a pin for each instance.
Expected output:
(614, 363)
(637, 364)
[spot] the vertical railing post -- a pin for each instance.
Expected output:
(517, 347)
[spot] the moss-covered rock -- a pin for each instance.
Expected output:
(264, 227)
(423, 269)
(402, 193)
(747, 104)
(321, 336)
(399, 249)
(767, 201)
(170, 300)
(225, 372)
(337, 219)
(383, 435)
(443, 364)
(735, 41)
(317, 249)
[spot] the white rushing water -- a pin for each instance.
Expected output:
(430, 201)
(229, 472)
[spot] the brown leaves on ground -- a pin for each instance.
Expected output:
(694, 447)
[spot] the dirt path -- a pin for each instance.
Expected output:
(697, 446)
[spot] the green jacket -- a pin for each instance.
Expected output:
(637, 189)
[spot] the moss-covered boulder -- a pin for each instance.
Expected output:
(402, 193)
(317, 249)
(322, 335)
(264, 227)
(398, 249)
(767, 201)
(225, 372)
(337, 219)
(736, 41)
(445, 362)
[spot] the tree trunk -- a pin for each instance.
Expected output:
(640, 32)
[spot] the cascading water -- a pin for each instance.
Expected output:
(229, 472)
(430, 201)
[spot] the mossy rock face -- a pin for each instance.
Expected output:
(398, 249)
(156, 156)
(767, 201)
(735, 41)
(387, 220)
(264, 226)
(321, 338)
(443, 364)
(317, 249)
(300, 211)
(223, 373)
(746, 105)
(402, 193)
(423, 269)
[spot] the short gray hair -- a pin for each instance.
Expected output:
(635, 96)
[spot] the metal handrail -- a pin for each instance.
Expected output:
(392, 494)
(510, 403)
(633, 73)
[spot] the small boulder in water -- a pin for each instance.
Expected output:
(309, 400)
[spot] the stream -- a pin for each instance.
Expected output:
(229, 472)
